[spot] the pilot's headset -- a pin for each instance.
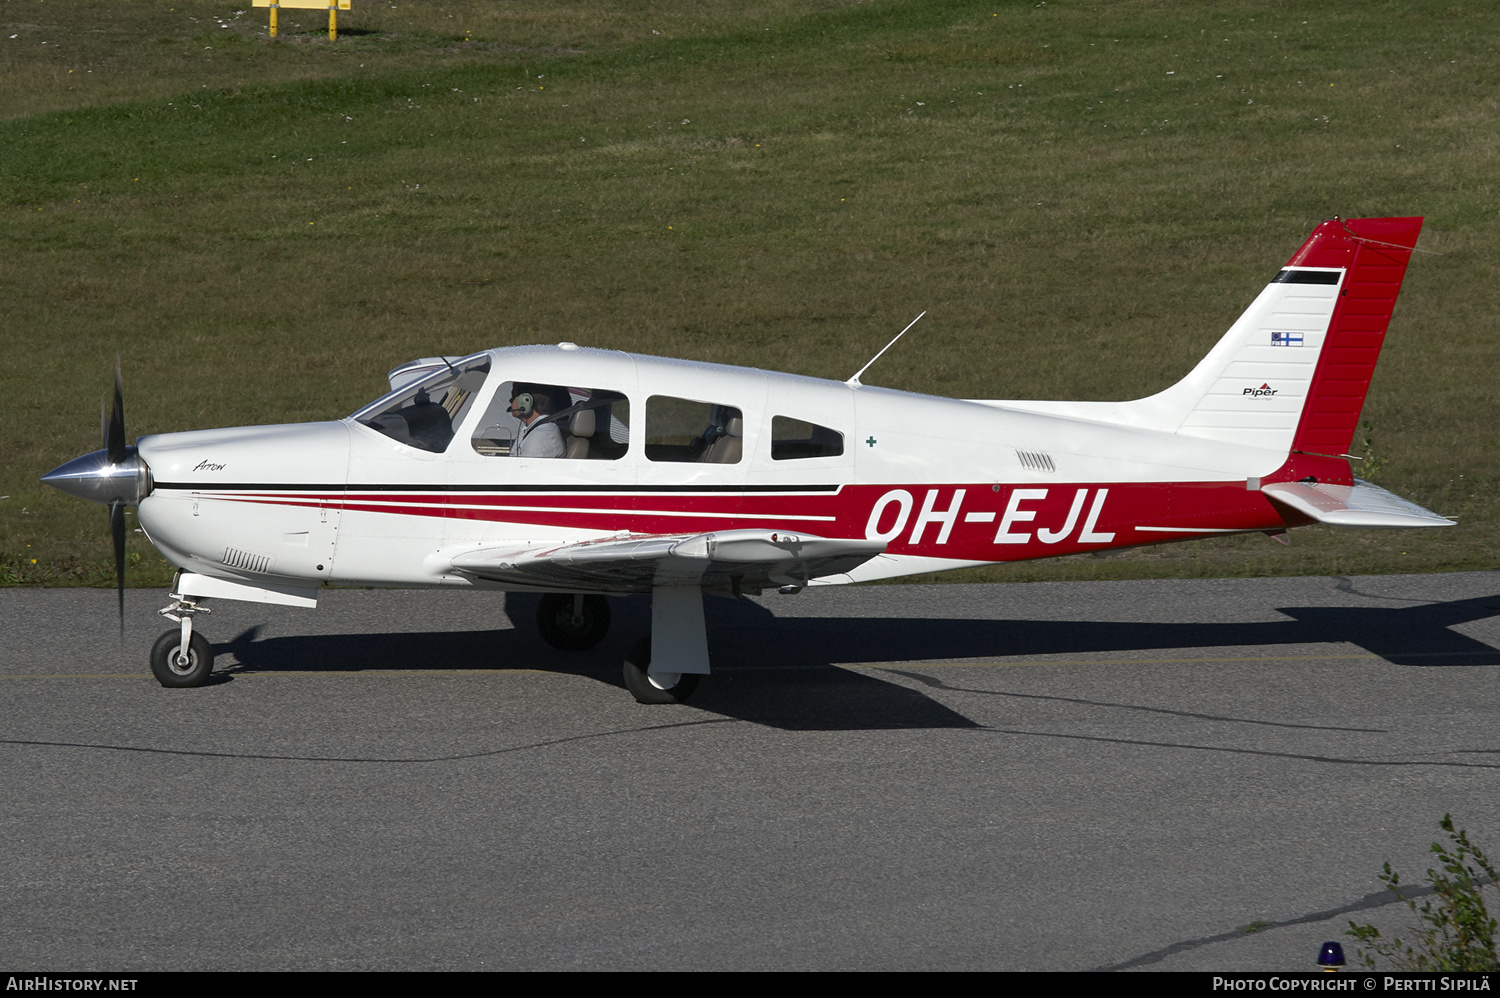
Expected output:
(717, 425)
(525, 405)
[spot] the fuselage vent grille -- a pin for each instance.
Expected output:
(1035, 460)
(260, 564)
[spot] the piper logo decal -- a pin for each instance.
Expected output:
(1264, 391)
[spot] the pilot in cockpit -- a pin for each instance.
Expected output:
(538, 438)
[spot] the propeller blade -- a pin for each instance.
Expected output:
(117, 532)
(114, 433)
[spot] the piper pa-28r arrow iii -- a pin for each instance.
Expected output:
(580, 473)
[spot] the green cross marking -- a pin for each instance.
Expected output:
(871, 441)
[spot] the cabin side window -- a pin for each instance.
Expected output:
(688, 431)
(795, 439)
(423, 415)
(529, 419)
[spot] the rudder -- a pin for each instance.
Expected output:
(1375, 252)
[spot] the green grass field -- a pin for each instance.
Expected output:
(1083, 195)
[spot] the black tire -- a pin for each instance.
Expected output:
(555, 623)
(164, 660)
(644, 689)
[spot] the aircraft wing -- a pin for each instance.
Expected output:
(1357, 505)
(736, 560)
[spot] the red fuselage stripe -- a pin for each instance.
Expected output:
(975, 522)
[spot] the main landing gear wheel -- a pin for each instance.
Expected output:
(670, 687)
(571, 622)
(169, 668)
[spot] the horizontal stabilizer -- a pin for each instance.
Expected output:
(1357, 505)
(748, 560)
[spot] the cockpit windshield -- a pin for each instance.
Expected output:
(424, 414)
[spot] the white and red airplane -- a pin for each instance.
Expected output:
(581, 472)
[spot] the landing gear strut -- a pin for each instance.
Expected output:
(180, 657)
(681, 648)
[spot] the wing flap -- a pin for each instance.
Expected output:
(1357, 505)
(747, 560)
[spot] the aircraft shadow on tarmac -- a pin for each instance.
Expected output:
(802, 692)
(782, 671)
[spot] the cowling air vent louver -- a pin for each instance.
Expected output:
(260, 564)
(1035, 460)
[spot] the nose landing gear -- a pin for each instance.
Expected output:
(181, 658)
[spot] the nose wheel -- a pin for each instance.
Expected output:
(182, 657)
(176, 670)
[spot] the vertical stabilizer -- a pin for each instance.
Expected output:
(1292, 372)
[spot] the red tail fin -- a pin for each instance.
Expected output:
(1375, 251)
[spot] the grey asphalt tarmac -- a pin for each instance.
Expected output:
(1050, 776)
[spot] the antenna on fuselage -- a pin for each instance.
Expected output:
(854, 381)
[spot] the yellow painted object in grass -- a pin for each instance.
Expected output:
(334, 6)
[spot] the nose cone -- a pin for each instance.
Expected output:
(95, 478)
